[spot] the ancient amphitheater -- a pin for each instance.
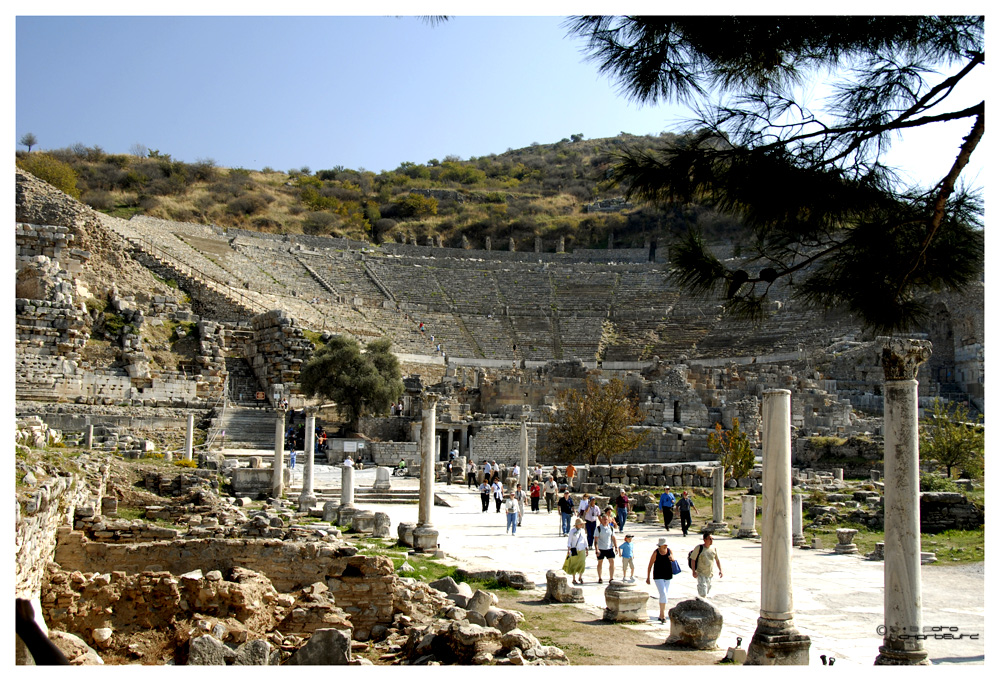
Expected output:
(501, 331)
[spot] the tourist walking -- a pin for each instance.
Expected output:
(510, 507)
(605, 547)
(576, 553)
(590, 518)
(484, 494)
(667, 501)
(660, 566)
(536, 495)
(570, 474)
(497, 489)
(566, 508)
(520, 496)
(551, 490)
(487, 469)
(470, 474)
(684, 506)
(584, 504)
(622, 507)
(625, 550)
(706, 557)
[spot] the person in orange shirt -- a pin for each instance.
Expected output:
(570, 474)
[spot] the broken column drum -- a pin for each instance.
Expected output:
(798, 539)
(776, 641)
(718, 523)
(424, 535)
(748, 518)
(901, 359)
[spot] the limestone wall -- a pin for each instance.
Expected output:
(502, 443)
(41, 509)
(278, 351)
(289, 565)
(390, 453)
(940, 511)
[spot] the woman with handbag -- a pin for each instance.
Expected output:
(661, 564)
(576, 552)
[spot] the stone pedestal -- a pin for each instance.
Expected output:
(330, 512)
(624, 603)
(363, 521)
(748, 518)
(798, 538)
(838, 474)
(845, 541)
(695, 623)
(875, 475)
(559, 590)
(405, 533)
(902, 594)
(718, 524)
(382, 525)
(425, 538)
(817, 543)
(278, 464)
(307, 499)
(776, 640)
(188, 438)
(383, 479)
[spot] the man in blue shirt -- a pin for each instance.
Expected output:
(667, 507)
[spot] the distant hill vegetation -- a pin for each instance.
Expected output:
(547, 190)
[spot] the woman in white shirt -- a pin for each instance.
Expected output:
(576, 552)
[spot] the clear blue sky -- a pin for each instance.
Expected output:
(368, 92)
(317, 91)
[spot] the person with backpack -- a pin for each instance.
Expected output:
(520, 496)
(700, 561)
(667, 500)
(660, 565)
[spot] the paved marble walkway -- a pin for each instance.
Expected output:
(838, 598)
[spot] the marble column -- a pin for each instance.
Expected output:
(189, 438)
(902, 595)
(718, 523)
(89, 437)
(424, 535)
(522, 477)
(748, 517)
(798, 538)
(278, 479)
(307, 499)
(776, 640)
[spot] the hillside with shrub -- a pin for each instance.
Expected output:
(547, 190)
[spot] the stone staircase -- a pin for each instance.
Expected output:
(243, 384)
(245, 427)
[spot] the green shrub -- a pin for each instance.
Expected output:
(57, 173)
(935, 483)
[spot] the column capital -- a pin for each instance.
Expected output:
(902, 357)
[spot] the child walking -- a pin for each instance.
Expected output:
(626, 551)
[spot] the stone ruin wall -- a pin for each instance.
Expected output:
(361, 585)
(502, 443)
(277, 352)
(39, 516)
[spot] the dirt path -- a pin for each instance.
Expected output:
(589, 640)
